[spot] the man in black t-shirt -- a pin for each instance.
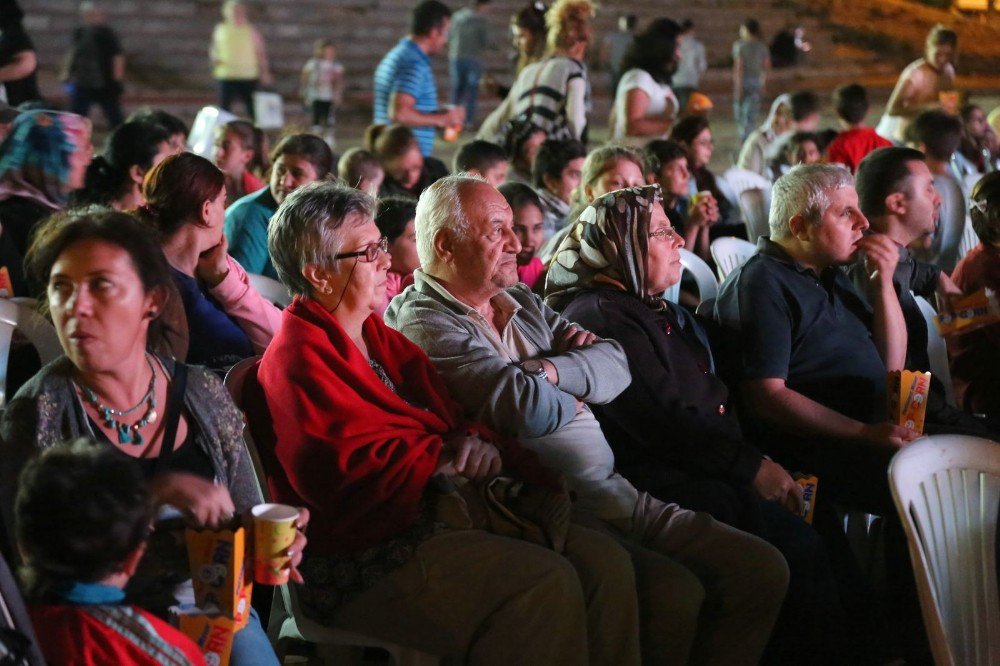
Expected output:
(17, 57)
(96, 66)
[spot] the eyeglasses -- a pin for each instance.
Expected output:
(370, 252)
(665, 233)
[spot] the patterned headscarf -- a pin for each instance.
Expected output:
(606, 247)
(34, 158)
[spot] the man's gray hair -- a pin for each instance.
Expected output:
(440, 207)
(308, 229)
(805, 191)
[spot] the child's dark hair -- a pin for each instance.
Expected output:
(81, 510)
(109, 177)
(478, 155)
(851, 103)
(393, 214)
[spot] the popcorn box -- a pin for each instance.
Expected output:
(219, 571)
(808, 483)
(908, 399)
(212, 632)
(978, 309)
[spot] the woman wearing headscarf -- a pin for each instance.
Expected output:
(44, 158)
(673, 430)
(778, 122)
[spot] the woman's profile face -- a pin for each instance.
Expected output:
(406, 168)
(99, 306)
(404, 251)
(79, 160)
(702, 148)
(358, 286)
(940, 55)
(663, 259)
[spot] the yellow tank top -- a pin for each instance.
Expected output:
(234, 50)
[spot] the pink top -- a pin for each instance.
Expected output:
(394, 283)
(530, 273)
(258, 317)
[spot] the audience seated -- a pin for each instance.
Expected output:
(368, 438)
(694, 133)
(83, 513)
(938, 135)
(667, 166)
(176, 127)
(521, 145)
(975, 365)
(805, 118)
(114, 178)
(407, 171)
(555, 176)
(801, 148)
(394, 218)
(106, 282)
(482, 158)
(779, 121)
(297, 160)
(225, 319)
(526, 372)
(979, 149)
(529, 228)
(239, 152)
(645, 106)
(360, 169)
(857, 139)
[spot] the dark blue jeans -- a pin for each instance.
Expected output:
(465, 73)
(231, 90)
(81, 100)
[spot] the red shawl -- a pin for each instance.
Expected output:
(352, 451)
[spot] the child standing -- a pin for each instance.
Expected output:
(322, 85)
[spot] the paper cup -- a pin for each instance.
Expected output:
(273, 533)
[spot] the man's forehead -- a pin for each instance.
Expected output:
(483, 203)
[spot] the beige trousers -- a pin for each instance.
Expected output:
(480, 598)
(708, 593)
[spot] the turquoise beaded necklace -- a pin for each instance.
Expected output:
(127, 433)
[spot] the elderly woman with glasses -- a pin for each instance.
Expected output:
(673, 430)
(366, 436)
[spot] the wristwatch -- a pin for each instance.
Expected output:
(535, 368)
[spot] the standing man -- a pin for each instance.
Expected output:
(691, 66)
(18, 62)
(405, 92)
(751, 64)
(96, 66)
(469, 38)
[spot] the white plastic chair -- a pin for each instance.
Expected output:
(287, 621)
(947, 492)
(741, 180)
(970, 239)
(708, 286)
(937, 350)
(755, 208)
(270, 289)
(730, 253)
(19, 314)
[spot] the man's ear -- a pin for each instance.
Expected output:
(136, 173)
(444, 246)
(797, 225)
(895, 204)
(319, 278)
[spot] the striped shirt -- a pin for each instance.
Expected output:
(407, 69)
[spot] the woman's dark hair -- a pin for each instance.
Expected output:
(167, 121)
(519, 195)
(660, 152)
(389, 142)
(531, 18)
(176, 189)
(130, 144)
(984, 209)
(309, 146)
(654, 50)
(393, 214)
(252, 138)
(81, 510)
(687, 129)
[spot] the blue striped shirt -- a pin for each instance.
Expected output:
(407, 69)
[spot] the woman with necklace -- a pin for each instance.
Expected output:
(105, 282)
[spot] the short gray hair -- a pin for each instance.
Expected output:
(440, 207)
(805, 191)
(307, 229)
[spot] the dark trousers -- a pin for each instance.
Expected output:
(321, 112)
(81, 100)
(231, 90)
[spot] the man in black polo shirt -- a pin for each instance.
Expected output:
(896, 192)
(814, 357)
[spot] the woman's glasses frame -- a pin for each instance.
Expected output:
(369, 253)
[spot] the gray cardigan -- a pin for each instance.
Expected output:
(492, 389)
(46, 411)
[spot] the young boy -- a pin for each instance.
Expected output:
(555, 175)
(482, 158)
(83, 516)
(361, 170)
(858, 139)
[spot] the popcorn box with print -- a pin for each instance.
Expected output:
(219, 571)
(978, 309)
(212, 632)
(908, 398)
(808, 483)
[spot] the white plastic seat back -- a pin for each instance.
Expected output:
(937, 350)
(708, 286)
(20, 314)
(970, 239)
(270, 289)
(741, 180)
(755, 209)
(947, 492)
(730, 253)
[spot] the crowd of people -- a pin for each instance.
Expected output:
(508, 446)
